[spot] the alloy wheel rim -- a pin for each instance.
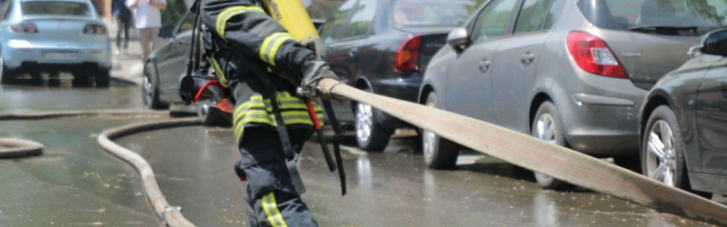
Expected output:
(364, 121)
(545, 130)
(661, 164)
(429, 140)
(147, 90)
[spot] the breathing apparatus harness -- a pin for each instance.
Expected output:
(187, 88)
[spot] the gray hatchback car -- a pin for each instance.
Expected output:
(572, 72)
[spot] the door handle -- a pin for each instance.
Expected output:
(484, 65)
(353, 52)
(527, 58)
(180, 42)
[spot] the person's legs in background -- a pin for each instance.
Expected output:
(127, 24)
(119, 25)
(145, 39)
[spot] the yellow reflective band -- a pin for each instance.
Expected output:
(270, 213)
(218, 71)
(276, 212)
(271, 44)
(228, 13)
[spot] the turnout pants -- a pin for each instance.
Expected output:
(271, 197)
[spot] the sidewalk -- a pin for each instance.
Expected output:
(126, 67)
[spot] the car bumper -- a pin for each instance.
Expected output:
(27, 55)
(601, 117)
(403, 88)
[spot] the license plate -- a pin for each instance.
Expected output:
(61, 55)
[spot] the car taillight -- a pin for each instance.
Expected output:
(593, 55)
(24, 28)
(406, 57)
(94, 29)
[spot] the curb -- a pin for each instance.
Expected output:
(124, 81)
(171, 215)
(18, 148)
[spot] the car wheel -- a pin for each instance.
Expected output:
(546, 126)
(662, 152)
(150, 93)
(438, 152)
(370, 134)
(6, 75)
(213, 116)
(103, 78)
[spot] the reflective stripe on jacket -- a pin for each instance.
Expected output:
(244, 43)
(259, 111)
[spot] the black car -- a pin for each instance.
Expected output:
(684, 122)
(384, 46)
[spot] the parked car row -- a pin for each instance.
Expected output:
(577, 73)
(573, 73)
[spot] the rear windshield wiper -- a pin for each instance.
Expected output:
(672, 30)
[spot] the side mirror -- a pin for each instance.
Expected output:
(715, 43)
(166, 32)
(694, 51)
(458, 39)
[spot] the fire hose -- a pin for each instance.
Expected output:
(531, 153)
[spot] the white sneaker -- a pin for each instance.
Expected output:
(117, 52)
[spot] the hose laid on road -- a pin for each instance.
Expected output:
(534, 154)
(18, 148)
(170, 215)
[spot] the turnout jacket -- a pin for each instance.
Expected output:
(246, 47)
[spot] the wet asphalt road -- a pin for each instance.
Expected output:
(75, 183)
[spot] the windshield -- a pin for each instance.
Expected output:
(55, 8)
(656, 15)
(431, 13)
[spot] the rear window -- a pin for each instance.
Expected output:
(55, 8)
(431, 13)
(675, 17)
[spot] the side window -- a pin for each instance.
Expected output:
(532, 16)
(331, 30)
(363, 16)
(187, 24)
(553, 13)
(492, 21)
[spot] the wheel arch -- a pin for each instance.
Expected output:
(537, 100)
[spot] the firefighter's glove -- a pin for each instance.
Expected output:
(186, 89)
(313, 71)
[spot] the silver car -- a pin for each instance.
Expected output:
(54, 36)
(572, 72)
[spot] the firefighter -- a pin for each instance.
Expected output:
(271, 76)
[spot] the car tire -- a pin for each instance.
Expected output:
(6, 75)
(438, 152)
(547, 126)
(103, 78)
(213, 116)
(150, 92)
(371, 135)
(663, 148)
(82, 79)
